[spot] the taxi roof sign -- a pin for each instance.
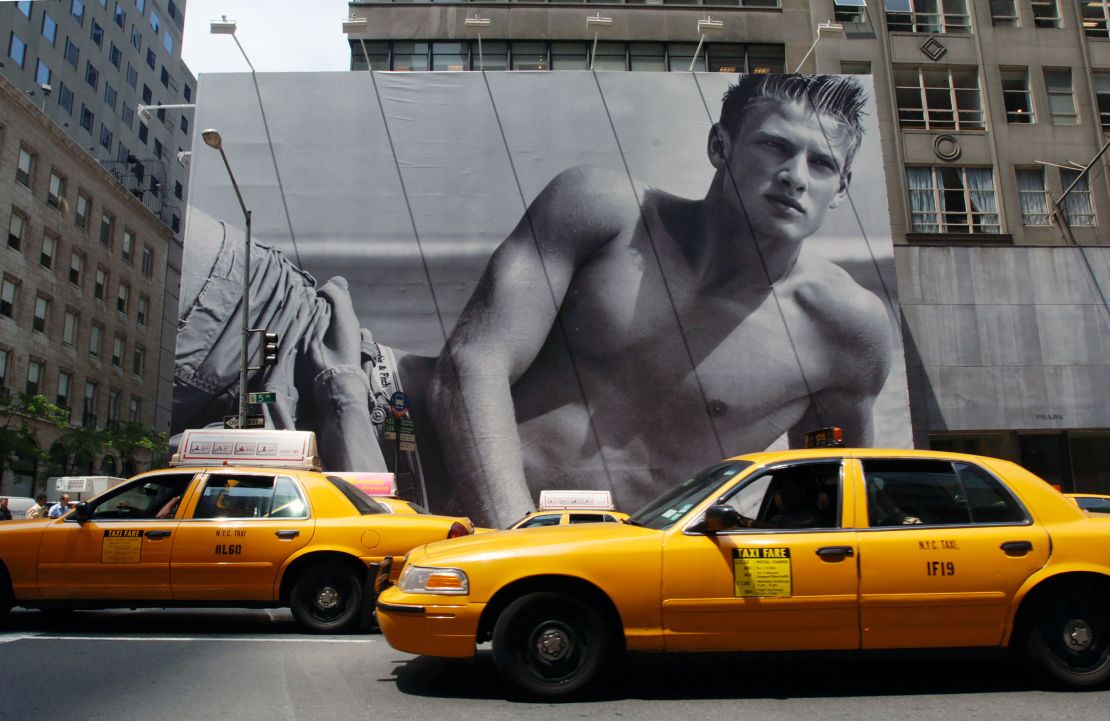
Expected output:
(823, 437)
(278, 449)
(370, 483)
(570, 500)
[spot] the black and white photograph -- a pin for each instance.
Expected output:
(578, 280)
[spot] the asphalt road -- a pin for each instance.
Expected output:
(254, 666)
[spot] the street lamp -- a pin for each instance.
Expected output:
(228, 27)
(829, 28)
(596, 22)
(705, 25)
(213, 140)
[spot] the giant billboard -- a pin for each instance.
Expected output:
(577, 280)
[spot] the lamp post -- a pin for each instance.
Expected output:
(213, 140)
(705, 24)
(829, 28)
(228, 27)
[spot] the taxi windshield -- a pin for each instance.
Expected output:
(664, 511)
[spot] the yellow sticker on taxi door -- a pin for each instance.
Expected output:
(762, 572)
(122, 546)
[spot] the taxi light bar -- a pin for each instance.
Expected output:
(370, 483)
(278, 449)
(831, 436)
(571, 500)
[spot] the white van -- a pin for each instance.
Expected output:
(19, 506)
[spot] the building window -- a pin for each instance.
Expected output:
(42, 311)
(1102, 95)
(1016, 95)
(16, 225)
(35, 372)
(1061, 101)
(132, 77)
(5, 356)
(115, 57)
(138, 356)
(105, 137)
(75, 263)
(123, 298)
(167, 40)
(135, 409)
(81, 214)
(117, 352)
(178, 189)
(155, 22)
(56, 190)
(128, 245)
(855, 67)
(69, 328)
(97, 34)
(95, 336)
(928, 16)
(87, 118)
(120, 16)
(100, 284)
(113, 405)
(17, 49)
(65, 99)
(934, 98)
(1004, 14)
(24, 167)
(147, 264)
(73, 53)
(43, 73)
(143, 310)
(165, 76)
(107, 228)
(65, 383)
(1096, 18)
(952, 200)
(110, 96)
(88, 418)
(1046, 14)
(143, 132)
(136, 38)
(49, 29)
(24, 7)
(184, 124)
(8, 290)
(187, 90)
(49, 247)
(151, 58)
(1034, 198)
(850, 11)
(92, 76)
(1077, 203)
(77, 10)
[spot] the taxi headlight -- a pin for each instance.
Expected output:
(444, 581)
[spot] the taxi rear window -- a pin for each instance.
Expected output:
(364, 504)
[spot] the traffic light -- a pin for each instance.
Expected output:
(269, 348)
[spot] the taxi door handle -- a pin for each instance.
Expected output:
(287, 535)
(155, 535)
(836, 551)
(1017, 548)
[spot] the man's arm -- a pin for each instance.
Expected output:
(502, 329)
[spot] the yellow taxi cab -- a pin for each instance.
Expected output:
(815, 549)
(241, 518)
(1093, 502)
(400, 505)
(561, 508)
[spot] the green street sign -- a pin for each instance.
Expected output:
(261, 397)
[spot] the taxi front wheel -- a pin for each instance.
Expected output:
(552, 647)
(326, 598)
(1068, 641)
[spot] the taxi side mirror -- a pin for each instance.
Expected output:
(718, 518)
(82, 511)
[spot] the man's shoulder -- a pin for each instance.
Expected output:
(827, 290)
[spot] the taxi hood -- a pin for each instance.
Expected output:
(551, 539)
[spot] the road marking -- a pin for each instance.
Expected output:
(44, 637)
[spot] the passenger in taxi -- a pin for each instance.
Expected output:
(796, 503)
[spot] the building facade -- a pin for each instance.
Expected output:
(992, 117)
(83, 271)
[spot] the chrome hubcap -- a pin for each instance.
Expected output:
(552, 644)
(1078, 635)
(327, 597)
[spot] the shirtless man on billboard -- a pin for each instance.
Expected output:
(621, 337)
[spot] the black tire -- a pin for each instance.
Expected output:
(1067, 642)
(326, 598)
(551, 647)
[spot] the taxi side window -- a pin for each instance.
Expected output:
(153, 497)
(236, 496)
(805, 495)
(912, 492)
(551, 519)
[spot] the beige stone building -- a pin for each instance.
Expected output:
(83, 270)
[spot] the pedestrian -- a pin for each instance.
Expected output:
(5, 514)
(60, 508)
(39, 509)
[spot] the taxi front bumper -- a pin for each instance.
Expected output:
(429, 629)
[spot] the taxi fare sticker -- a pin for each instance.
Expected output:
(121, 546)
(762, 572)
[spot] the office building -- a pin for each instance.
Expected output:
(993, 116)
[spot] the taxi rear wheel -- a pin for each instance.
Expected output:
(550, 646)
(1068, 642)
(326, 598)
